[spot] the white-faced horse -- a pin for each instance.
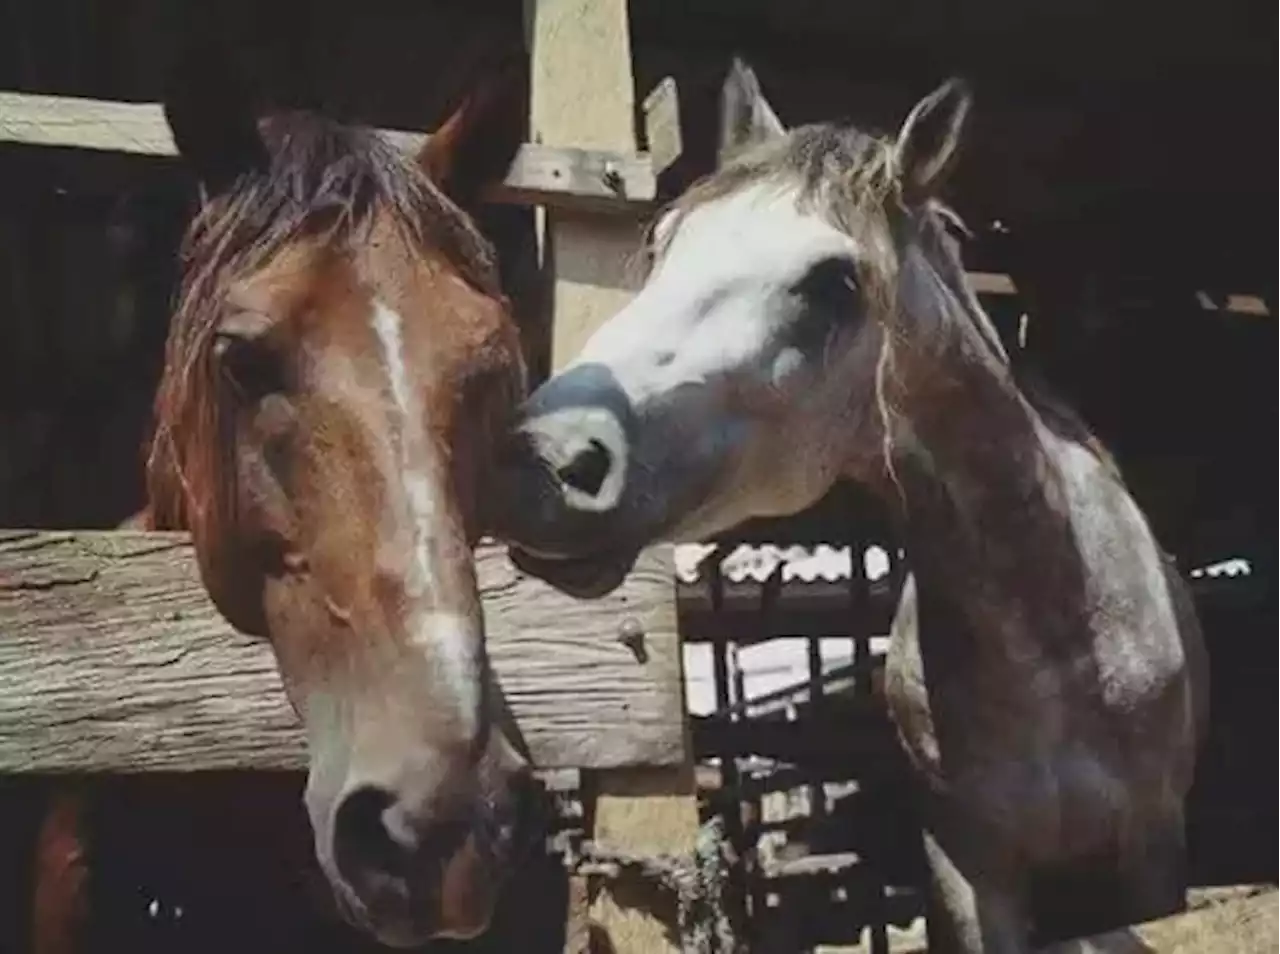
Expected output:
(807, 318)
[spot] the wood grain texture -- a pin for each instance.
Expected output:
(662, 124)
(112, 659)
(37, 119)
(578, 179)
(583, 96)
(583, 180)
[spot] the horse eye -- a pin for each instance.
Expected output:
(249, 363)
(832, 280)
(827, 299)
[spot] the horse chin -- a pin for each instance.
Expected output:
(583, 577)
(408, 923)
(407, 935)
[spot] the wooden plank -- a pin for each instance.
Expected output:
(578, 179)
(41, 120)
(582, 95)
(646, 813)
(574, 178)
(662, 124)
(112, 659)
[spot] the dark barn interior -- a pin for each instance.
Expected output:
(1118, 172)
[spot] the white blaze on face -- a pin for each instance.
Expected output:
(718, 298)
(411, 446)
(448, 636)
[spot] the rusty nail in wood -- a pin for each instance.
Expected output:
(611, 177)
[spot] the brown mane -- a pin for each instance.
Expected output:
(326, 180)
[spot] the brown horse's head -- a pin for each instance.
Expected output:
(338, 368)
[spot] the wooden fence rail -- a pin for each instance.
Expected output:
(112, 659)
(586, 180)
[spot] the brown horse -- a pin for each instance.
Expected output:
(807, 318)
(339, 366)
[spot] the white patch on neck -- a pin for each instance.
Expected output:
(443, 634)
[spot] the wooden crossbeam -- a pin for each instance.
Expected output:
(588, 180)
(112, 660)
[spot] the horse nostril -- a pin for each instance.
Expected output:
(362, 842)
(588, 468)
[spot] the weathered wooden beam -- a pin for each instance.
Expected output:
(585, 180)
(577, 179)
(583, 96)
(112, 659)
(40, 120)
(662, 124)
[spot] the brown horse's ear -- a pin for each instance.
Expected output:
(930, 139)
(210, 115)
(746, 118)
(476, 145)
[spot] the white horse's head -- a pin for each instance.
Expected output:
(751, 370)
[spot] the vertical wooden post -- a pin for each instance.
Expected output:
(583, 96)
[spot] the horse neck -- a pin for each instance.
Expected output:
(981, 499)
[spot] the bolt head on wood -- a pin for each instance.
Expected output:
(630, 631)
(612, 177)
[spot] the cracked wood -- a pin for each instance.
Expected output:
(112, 659)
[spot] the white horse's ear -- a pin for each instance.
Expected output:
(930, 139)
(746, 118)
